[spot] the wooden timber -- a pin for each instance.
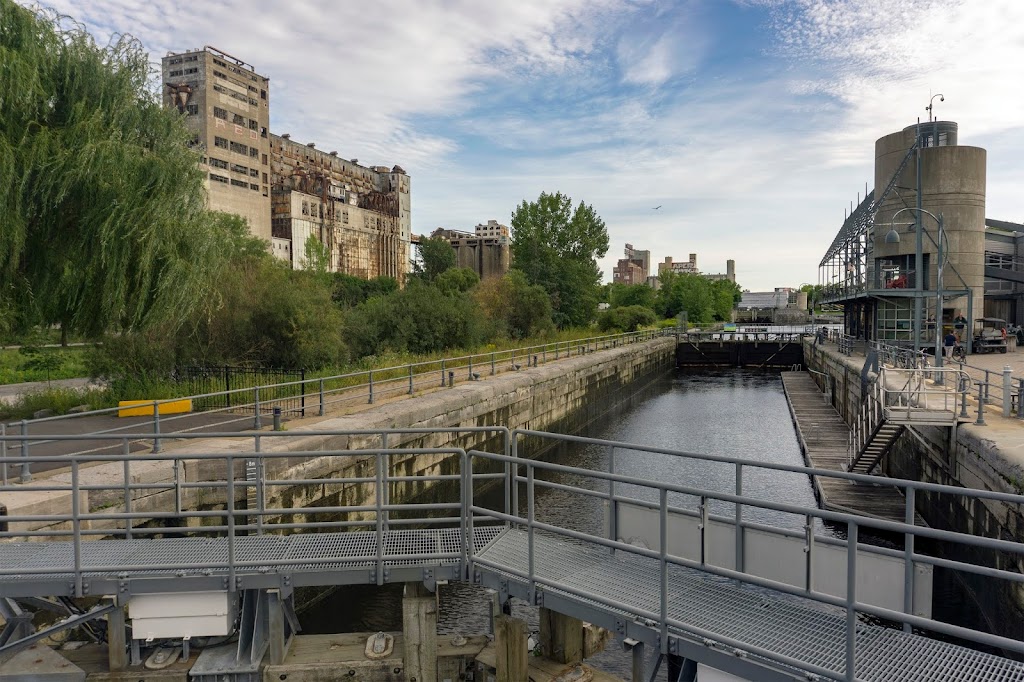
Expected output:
(824, 438)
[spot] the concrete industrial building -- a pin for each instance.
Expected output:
(635, 268)
(360, 214)
(689, 267)
(486, 250)
(287, 191)
(883, 265)
(227, 104)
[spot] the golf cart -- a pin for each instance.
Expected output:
(989, 335)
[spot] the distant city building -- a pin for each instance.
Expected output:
(634, 268)
(360, 214)
(689, 267)
(227, 105)
(680, 268)
(485, 250)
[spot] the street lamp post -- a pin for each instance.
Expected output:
(893, 237)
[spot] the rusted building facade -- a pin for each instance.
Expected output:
(227, 104)
(360, 214)
(485, 251)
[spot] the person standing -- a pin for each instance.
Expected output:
(948, 343)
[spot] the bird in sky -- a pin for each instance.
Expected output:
(656, 208)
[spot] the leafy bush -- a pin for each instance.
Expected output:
(60, 400)
(626, 319)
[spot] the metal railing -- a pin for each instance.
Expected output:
(739, 336)
(103, 503)
(245, 408)
(941, 391)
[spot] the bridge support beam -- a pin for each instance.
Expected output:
(511, 653)
(117, 643)
(561, 637)
(681, 669)
(419, 624)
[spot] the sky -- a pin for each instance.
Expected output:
(750, 123)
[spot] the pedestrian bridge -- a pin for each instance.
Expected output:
(727, 576)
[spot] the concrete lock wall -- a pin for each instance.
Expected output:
(973, 461)
(561, 396)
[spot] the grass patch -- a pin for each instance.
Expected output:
(60, 400)
(15, 366)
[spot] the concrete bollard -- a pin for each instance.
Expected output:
(277, 418)
(451, 379)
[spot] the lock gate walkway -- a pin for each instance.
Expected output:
(669, 573)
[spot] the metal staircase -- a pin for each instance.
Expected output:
(872, 435)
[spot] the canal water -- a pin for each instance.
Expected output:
(728, 412)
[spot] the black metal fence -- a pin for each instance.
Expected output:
(236, 388)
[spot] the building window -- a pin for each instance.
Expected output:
(239, 148)
(263, 132)
(263, 94)
(254, 187)
(176, 60)
(264, 176)
(192, 58)
(192, 109)
(264, 159)
(172, 74)
(192, 70)
(218, 163)
(219, 74)
(305, 208)
(218, 178)
(238, 119)
(239, 183)
(220, 113)
(235, 168)
(254, 152)
(221, 142)
(253, 125)
(253, 173)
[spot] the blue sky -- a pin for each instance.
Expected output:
(750, 122)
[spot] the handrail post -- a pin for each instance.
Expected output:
(492, 363)
(469, 374)
(232, 586)
(126, 450)
(410, 380)
(257, 422)
(981, 406)
(851, 600)
(1007, 390)
(965, 390)
(3, 449)
(908, 556)
(529, 533)
(156, 427)
(371, 387)
(663, 559)
(379, 528)
(321, 397)
(985, 396)
(76, 526)
(442, 371)
(613, 503)
(261, 489)
(26, 465)
(385, 493)
(739, 519)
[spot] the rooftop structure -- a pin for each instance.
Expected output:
(634, 268)
(486, 250)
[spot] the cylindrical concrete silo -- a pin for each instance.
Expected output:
(952, 184)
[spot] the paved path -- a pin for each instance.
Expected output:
(9, 393)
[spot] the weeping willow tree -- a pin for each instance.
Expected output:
(102, 209)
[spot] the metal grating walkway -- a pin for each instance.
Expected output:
(803, 630)
(37, 568)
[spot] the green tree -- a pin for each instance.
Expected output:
(102, 217)
(626, 318)
(557, 248)
(438, 255)
(40, 359)
(349, 291)
(317, 257)
(515, 308)
(631, 294)
(456, 280)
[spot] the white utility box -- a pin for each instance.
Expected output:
(182, 614)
